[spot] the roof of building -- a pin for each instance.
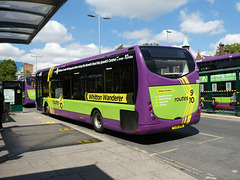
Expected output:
(185, 42)
(21, 20)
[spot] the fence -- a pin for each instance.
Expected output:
(220, 95)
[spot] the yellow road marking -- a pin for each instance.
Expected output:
(87, 141)
(210, 135)
(163, 152)
(38, 117)
(66, 129)
(48, 122)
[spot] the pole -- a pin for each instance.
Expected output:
(99, 30)
(36, 56)
(168, 31)
(99, 34)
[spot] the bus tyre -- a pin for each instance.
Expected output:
(97, 121)
(46, 109)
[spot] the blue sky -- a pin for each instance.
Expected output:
(71, 34)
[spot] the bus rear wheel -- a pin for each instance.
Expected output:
(97, 121)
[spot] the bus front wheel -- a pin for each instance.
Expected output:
(97, 121)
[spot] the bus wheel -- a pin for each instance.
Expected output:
(97, 121)
(46, 109)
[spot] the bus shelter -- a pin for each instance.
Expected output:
(220, 91)
(13, 94)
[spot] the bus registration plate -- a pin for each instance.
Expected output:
(178, 126)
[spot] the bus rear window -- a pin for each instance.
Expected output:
(168, 61)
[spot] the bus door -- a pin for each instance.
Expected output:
(39, 93)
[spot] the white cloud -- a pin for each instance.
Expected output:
(146, 36)
(54, 54)
(141, 9)
(211, 1)
(228, 39)
(141, 34)
(173, 37)
(8, 51)
(238, 6)
(193, 23)
(53, 32)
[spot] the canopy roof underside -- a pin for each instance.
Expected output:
(21, 20)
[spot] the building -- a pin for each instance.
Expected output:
(185, 43)
(22, 68)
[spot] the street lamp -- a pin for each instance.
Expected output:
(168, 32)
(99, 38)
(36, 56)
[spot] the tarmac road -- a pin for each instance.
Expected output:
(208, 150)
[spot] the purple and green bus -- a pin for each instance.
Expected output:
(29, 95)
(135, 90)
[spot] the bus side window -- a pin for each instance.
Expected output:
(78, 86)
(94, 81)
(64, 85)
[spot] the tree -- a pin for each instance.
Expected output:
(27, 73)
(120, 47)
(8, 70)
(152, 44)
(233, 48)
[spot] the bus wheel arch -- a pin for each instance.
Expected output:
(97, 120)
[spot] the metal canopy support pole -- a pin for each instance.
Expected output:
(209, 95)
(238, 93)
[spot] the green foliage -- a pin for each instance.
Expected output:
(8, 70)
(120, 47)
(27, 74)
(233, 48)
(152, 44)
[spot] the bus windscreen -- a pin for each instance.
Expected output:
(168, 62)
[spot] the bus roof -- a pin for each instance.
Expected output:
(219, 57)
(101, 56)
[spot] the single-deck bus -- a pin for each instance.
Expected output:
(29, 95)
(135, 90)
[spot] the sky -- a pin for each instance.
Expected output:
(71, 34)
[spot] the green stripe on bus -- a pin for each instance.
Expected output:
(108, 110)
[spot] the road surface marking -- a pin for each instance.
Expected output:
(48, 122)
(163, 152)
(210, 135)
(66, 129)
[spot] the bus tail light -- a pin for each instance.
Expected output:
(150, 109)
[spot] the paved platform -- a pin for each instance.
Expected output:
(36, 146)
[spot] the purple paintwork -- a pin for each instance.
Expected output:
(145, 80)
(27, 100)
(219, 57)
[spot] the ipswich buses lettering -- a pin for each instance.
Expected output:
(106, 97)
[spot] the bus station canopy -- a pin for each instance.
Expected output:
(21, 20)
